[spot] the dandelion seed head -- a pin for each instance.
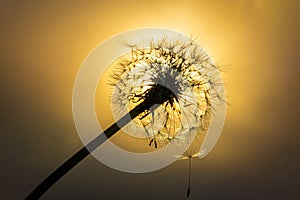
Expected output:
(182, 67)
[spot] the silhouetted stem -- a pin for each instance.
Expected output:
(91, 146)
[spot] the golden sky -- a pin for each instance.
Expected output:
(44, 43)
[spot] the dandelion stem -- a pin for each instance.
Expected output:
(90, 147)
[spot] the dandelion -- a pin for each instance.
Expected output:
(166, 88)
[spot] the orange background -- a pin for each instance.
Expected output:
(44, 44)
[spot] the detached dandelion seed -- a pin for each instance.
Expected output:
(166, 87)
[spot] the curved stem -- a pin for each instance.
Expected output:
(85, 151)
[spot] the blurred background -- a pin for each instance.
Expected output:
(44, 43)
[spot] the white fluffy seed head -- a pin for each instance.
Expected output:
(184, 68)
